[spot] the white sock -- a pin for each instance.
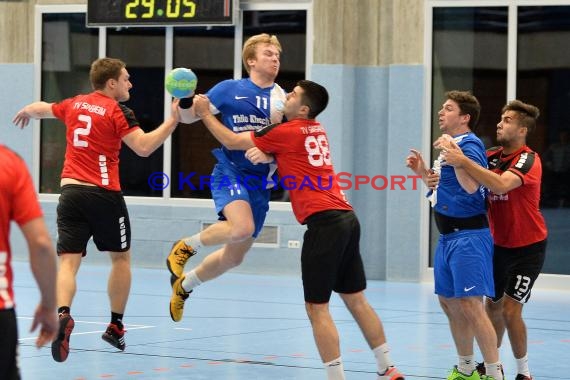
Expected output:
(191, 281)
(494, 370)
(383, 359)
(466, 364)
(522, 366)
(335, 369)
(194, 241)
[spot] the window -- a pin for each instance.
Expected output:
(472, 48)
(68, 48)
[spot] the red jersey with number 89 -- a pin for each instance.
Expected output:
(95, 126)
(304, 163)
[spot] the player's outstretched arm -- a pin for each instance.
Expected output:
(231, 140)
(36, 110)
(144, 144)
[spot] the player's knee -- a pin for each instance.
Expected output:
(242, 232)
(315, 311)
(233, 261)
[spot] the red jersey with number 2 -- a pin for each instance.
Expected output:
(304, 164)
(95, 126)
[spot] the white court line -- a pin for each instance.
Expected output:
(127, 327)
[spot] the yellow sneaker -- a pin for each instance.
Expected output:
(179, 296)
(178, 256)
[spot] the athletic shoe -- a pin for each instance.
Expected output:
(60, 346)
(520, 376)
(178, 256)
(481, 368)
(482, 371)
(456, 375)
(391, 374)
(179, 296)
(115, 337)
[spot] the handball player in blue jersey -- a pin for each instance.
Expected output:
(463, 266)
(245, 105)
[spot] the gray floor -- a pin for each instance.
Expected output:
(254, 327)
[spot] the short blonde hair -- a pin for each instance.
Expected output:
(250, 45)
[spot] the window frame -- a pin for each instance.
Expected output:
(545, 279)
(244, 6)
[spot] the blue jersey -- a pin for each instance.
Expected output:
(246, 107)
(452, 199)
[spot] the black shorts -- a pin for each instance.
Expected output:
(88, 211)
(516, 269)
(8, 345)
(330, 258)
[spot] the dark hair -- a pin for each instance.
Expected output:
(527, 113)
(315, 97)
(468, 105)
(104, 69)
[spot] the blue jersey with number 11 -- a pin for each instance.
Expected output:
(246, 107)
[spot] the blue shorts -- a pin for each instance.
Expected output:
(228, 184)
(463, 264)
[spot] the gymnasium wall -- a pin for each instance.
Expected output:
(369, 55)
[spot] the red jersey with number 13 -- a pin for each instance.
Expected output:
(304, 164)
(95, 126)
(515, 218)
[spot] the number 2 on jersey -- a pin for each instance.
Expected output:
(82, 131)
(318, 149)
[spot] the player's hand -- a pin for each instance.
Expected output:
(47, 320)
(201, 106)
(256, 156)
(175, 110)
(416, 162)
(451, 154)
(432, 179)
(22, 118)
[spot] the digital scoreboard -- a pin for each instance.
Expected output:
(159, 12)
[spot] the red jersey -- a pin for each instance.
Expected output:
(95, 126)
(18, 202)
(301, 149)
(515, 218)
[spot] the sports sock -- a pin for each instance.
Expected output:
(383, 359)
(466, 364)
(494, 370)
(335, 369)
(64, 309)
(117, 319)
(194, 241)
(522, 366)
(191, 281)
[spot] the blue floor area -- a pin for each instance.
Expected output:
(254, 327)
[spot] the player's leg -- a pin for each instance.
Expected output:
(111, 227)
(235, 205)
(73, 234)
(526, 265)
(459, 327)
(472, 265)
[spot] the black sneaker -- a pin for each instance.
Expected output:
(60, 346)
(115, 337)
(520, 376)
(481, 368)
